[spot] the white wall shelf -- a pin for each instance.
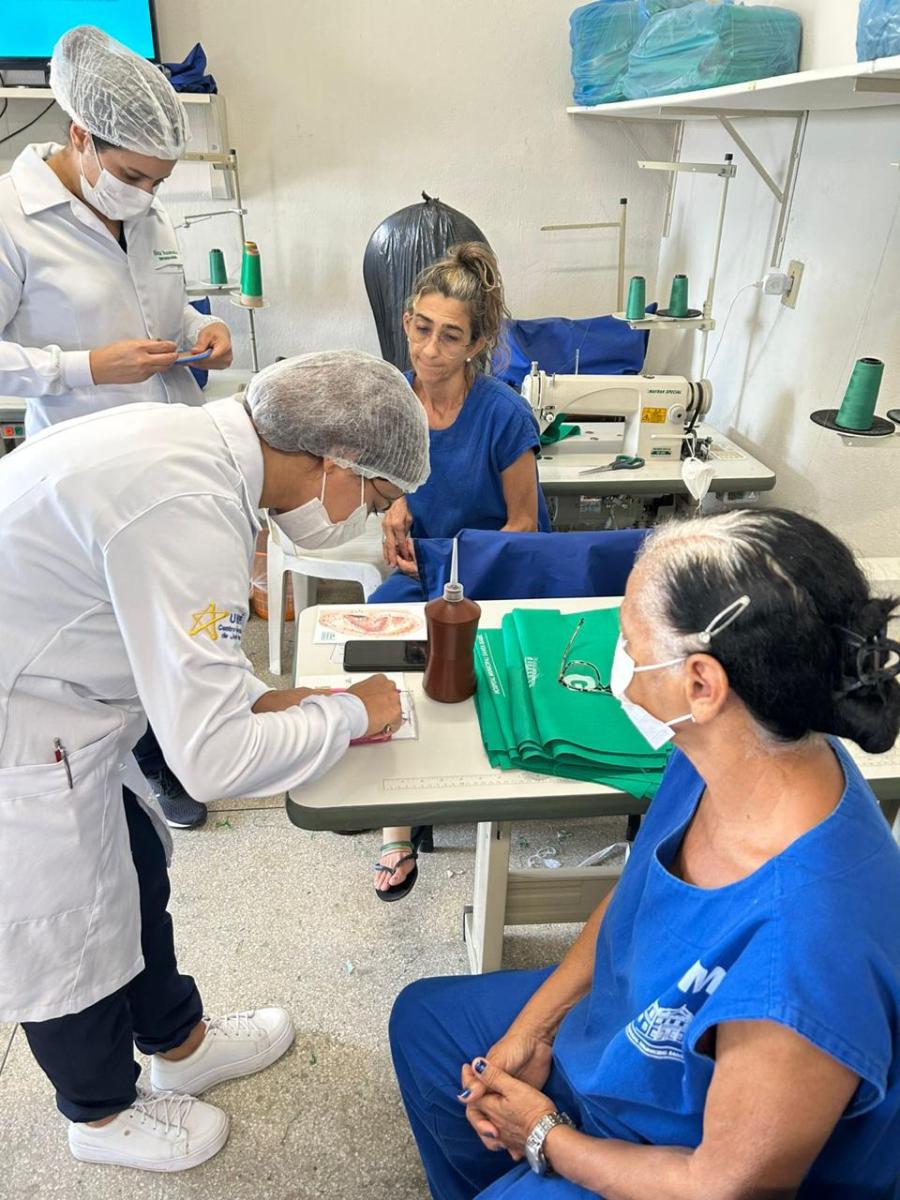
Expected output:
(44, 94)
(862, 85)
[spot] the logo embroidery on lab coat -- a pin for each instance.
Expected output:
(217, 624)
(659, 1031)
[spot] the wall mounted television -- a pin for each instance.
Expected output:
(30, 28)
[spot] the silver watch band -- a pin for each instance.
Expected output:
(534, 1143)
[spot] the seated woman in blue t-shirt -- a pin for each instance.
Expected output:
(483, 437)
(483, 445)
(728, 1022)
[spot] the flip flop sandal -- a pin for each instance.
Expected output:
(422, 839)
(399, 890)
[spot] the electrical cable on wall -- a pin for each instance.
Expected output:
(15, 133)
(746, 288)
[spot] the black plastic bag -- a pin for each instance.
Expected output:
(402, 246)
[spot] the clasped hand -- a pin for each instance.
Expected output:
(501, 1092)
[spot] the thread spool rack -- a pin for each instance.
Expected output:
(225, 162)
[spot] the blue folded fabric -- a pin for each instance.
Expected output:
(202, 306)
(602, 346)
(190, 75)
(531, 566)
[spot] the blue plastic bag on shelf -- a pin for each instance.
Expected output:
(878, 30)
(705, 46)
(601, 36)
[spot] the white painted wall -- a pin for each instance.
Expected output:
(344, 112)
(776, 365)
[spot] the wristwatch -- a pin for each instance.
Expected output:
(534, 1143)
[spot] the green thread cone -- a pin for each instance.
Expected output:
(217, 272)
(636, 308)
(861, 396)
(678, 300)
(251, 276)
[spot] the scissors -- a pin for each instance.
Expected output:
(622, 462)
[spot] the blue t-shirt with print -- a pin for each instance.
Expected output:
(464, 490)
(811, 940)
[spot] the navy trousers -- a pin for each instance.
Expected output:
(436, 1026)
(89, 1056)
(149, 755)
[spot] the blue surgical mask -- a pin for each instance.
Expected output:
(624, 669)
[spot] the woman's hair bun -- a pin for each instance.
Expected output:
(867, 704)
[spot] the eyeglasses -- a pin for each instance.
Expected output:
(577, 674)
(389, 500)
(453, 345)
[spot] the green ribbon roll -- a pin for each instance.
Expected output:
(861, 396)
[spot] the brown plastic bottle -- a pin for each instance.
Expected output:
(452, 624)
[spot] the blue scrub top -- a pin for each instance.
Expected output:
(811, 940)
(464, 490)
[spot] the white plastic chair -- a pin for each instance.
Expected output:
(360, 560)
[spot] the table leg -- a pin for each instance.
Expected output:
(484, 924)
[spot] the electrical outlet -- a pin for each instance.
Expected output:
(795, 271)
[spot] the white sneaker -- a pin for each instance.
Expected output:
(158, 1133)
(236, 1045)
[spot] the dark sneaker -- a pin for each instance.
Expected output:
(180, 810)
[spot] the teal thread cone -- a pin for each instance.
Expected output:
(678, 300)
(217, 272)
(636, 308)
(251, 276)
(861, 396)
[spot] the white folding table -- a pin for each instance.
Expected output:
(445, 776)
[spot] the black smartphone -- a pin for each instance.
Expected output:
(385, 656)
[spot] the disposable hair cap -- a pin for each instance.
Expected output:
(347, 406)
(116, 95)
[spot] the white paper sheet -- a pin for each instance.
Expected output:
(408, 731)
(339, 623)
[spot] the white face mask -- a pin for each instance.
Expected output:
(117, 200)
(659, 732)
(311, 528)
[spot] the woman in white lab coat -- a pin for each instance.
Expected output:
(127, 540)
(93, 308)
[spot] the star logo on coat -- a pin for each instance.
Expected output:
(206, 621)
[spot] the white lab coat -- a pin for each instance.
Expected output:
(126, 540)
(67, 287)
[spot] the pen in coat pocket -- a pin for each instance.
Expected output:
(59, 753)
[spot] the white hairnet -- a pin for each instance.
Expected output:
(116, 95)
(347, 406)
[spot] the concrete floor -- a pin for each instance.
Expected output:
(268, 914)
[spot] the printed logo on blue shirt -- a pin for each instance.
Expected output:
(660, 1030)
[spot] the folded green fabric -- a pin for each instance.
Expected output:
(558, 432)
(531, 720)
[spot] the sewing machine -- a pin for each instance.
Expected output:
(640, 415)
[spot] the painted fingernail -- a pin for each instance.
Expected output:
(480, 1065)
(464, 1094)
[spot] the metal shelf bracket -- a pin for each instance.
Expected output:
(784, 194)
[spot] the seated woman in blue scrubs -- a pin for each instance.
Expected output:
(484, 442)
(728, 1022)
